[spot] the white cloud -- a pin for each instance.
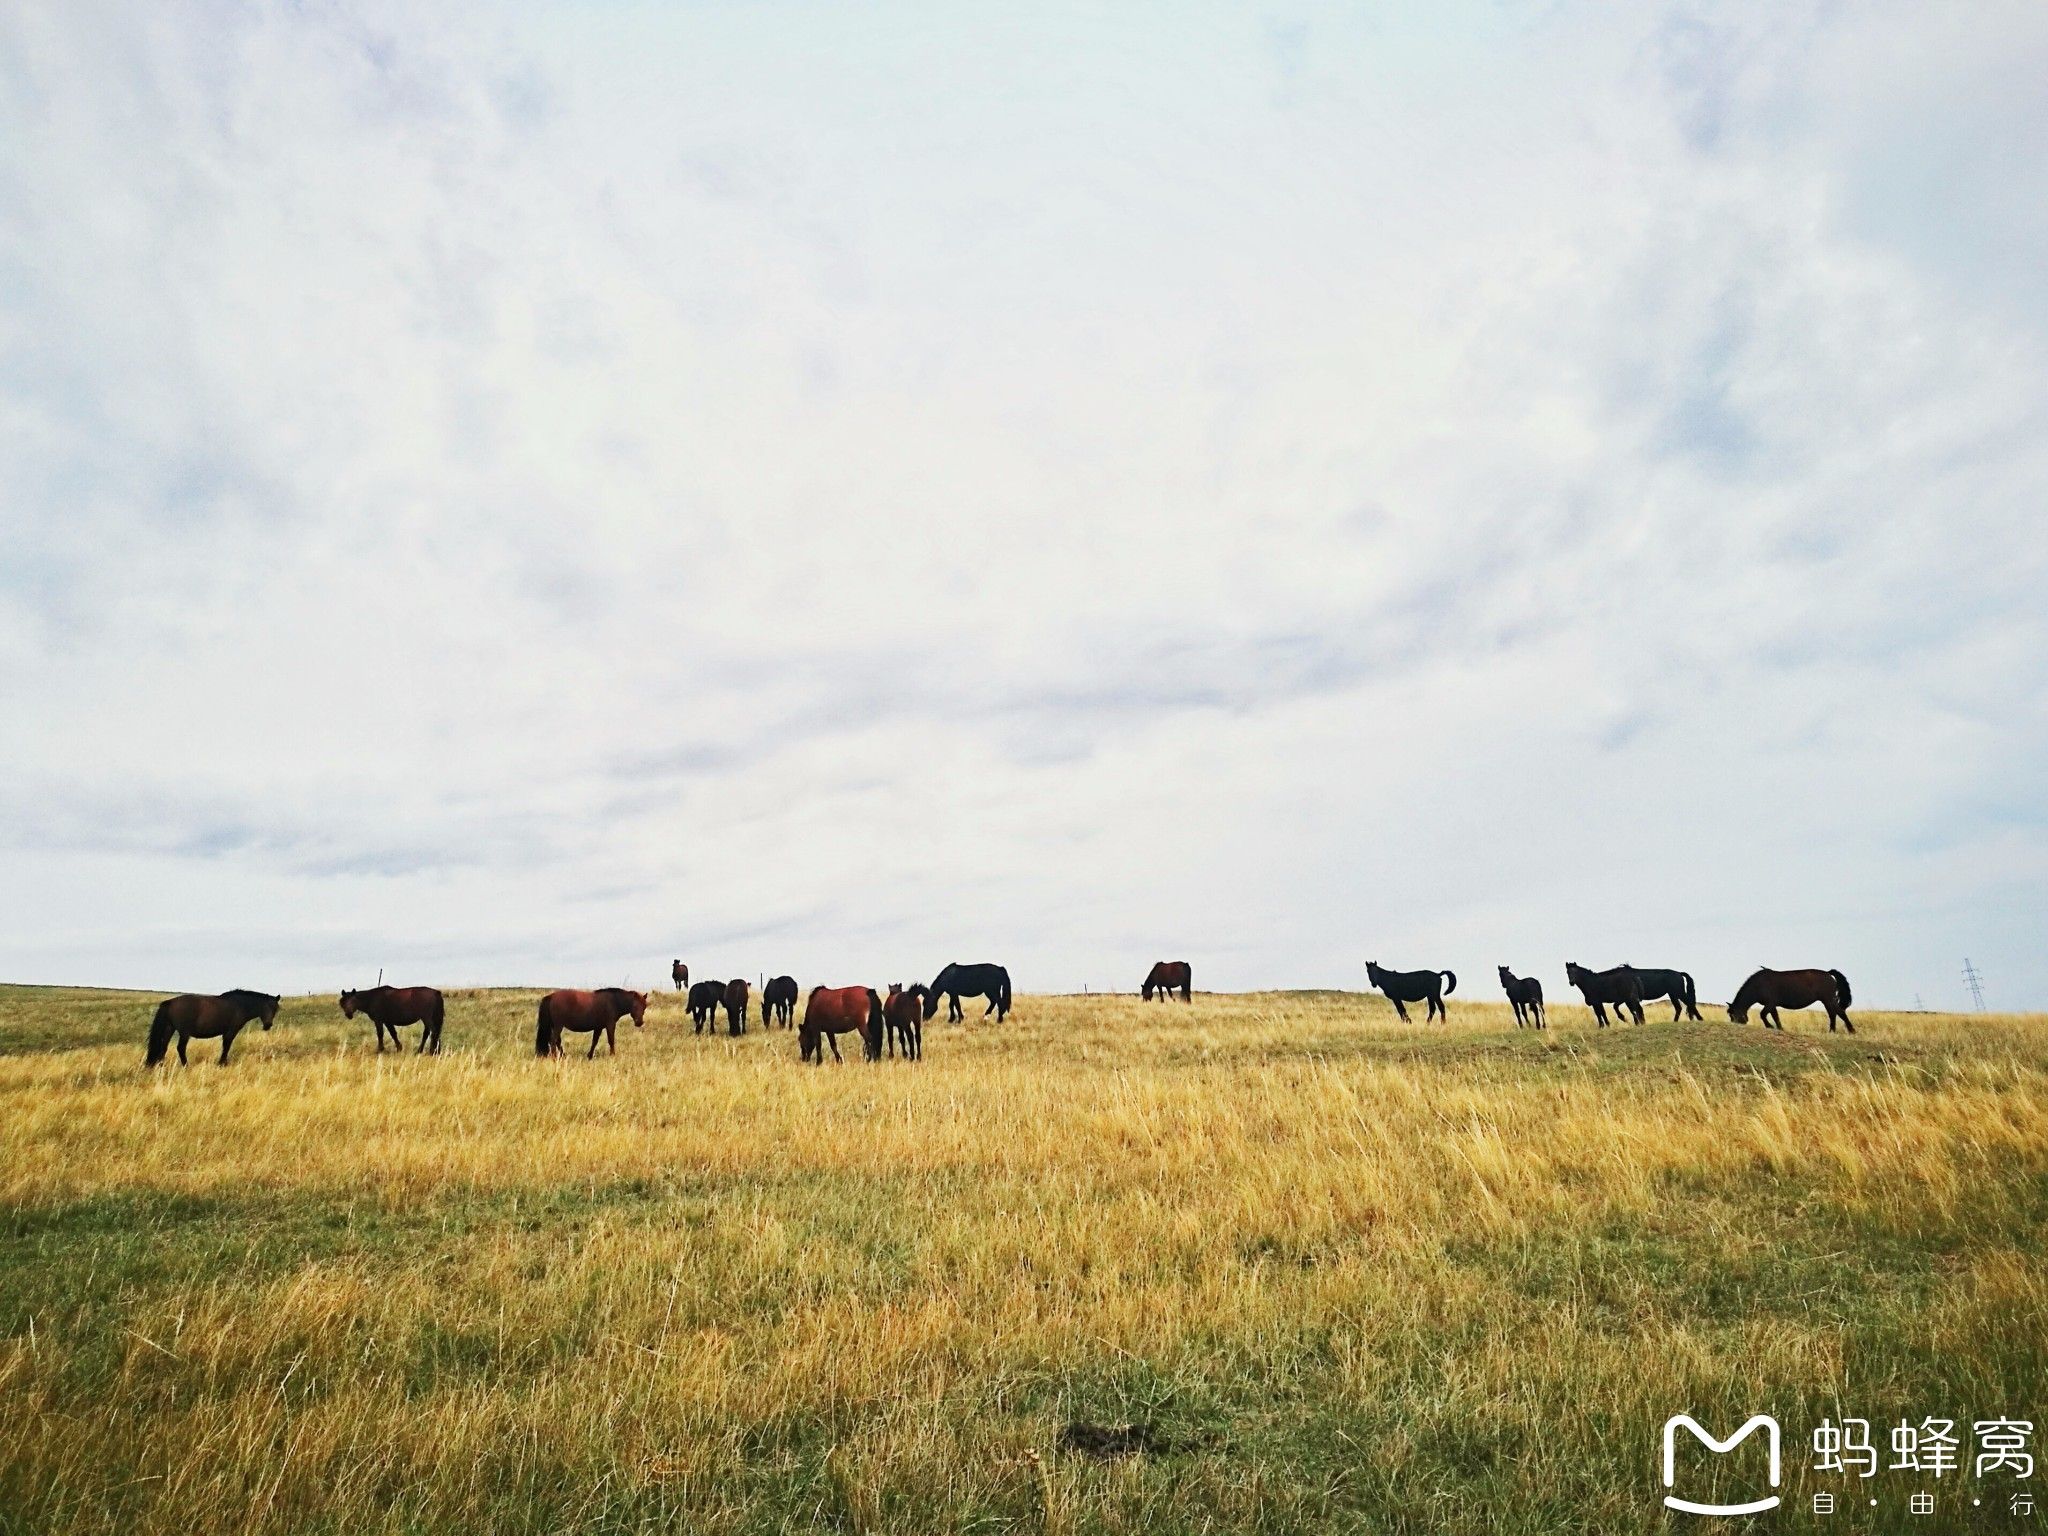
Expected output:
(840, 492)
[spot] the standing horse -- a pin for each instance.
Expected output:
(1620, 988)
(1526, 993)
(832, 1012)
(391, 1008)
(903, 1019)
(596, 1014)
(1403, 987)
(195, 1016)
(706, 998)
(736, 1006)
(957, 981)
(679, 973)
(1676, 985)
(1768, 991)
(1168, 977)
(778, 1001)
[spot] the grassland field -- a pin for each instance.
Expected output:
(1344, 1274)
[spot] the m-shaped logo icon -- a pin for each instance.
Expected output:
(1762, 1421)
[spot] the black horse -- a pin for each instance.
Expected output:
(195, 1016)
(1404, 987)
(957, 981)
(1526, 993)
(1675, 985)
(706, 998)
(1619, 988)
(778, 1001)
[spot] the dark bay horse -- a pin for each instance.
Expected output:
(1619, 988)
(957, 981)
(1168, 977)
(1404, 987)
(1768, 991)
(195, 1016)
(903, 1019)
(679, 973)
(832, 1012)
(736, 992)
(596, 1014)
(1676, 985)
(391, 1008)
(1526, 993)
(706, 998)
(778, 1001)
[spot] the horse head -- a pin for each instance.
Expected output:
(349, 1003)
(268, 1012)
(636, 1004)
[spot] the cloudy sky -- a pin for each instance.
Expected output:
(516, 493)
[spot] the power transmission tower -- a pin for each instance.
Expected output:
(1974, 980)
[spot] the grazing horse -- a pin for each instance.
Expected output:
(1620, 988)
(1768, 991)
(1168, 977)
(393, 1007)
(679, 973)
(706, 998)
(596, 1014)
(778, 1001)
(957, 981)
(736, 1006)
(1676, 985)
(830, 1013)
(1526, 993)
(195, 1016)
(1403, 987)
(903, 1019)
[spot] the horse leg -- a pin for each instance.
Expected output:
(1401, 1008)
(227, 1043)
(182, 1038)
(832, 1040)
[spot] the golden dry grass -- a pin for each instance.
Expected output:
(1360, 1275)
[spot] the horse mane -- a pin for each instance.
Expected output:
(244, 997)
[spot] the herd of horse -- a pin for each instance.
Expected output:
(895, 1021)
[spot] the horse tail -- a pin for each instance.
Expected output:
(540, 1029)
(1004, 972)
(1450, 983)
(1841, 986)
(159, 1034)
(1692, 996)
(875, 1025)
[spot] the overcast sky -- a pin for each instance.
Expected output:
(518, 493)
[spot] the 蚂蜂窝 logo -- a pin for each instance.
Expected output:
(1761, 1421)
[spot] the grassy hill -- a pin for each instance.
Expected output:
(1330, 1272)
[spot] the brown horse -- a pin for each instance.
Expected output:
(393, 1007)
(1526, 993)
(1768, 991)
(903, 1019)
(778, 1001)
(1168, 977)
(706, 998)
(195, 1016)
(736, 1006)
(679, 973)
(596, 1014)
(832, 1012)
(1619, 988)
